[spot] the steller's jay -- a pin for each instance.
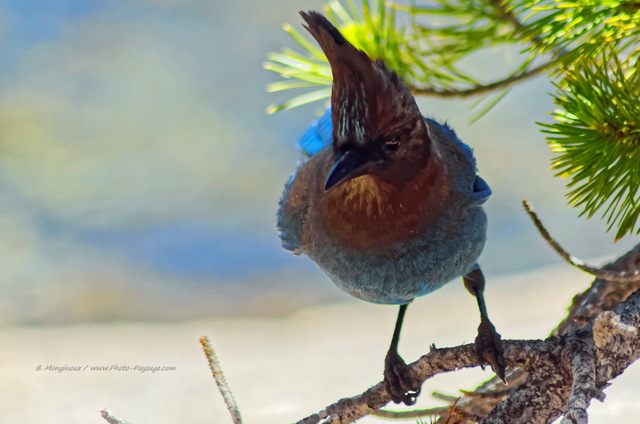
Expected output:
(388, 203)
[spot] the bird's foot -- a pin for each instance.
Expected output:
(489, 348)
(398, 380)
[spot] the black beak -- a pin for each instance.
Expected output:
(348, 166)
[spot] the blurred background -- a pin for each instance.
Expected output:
(139, 181)
(140, 174)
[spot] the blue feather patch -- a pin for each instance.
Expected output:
(318, 136)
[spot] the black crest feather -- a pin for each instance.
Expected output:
(367, 98)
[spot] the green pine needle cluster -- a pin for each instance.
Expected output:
(590, 47)
(371, 28)
(596, 137)
(579, 28)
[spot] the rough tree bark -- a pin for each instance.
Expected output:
(558, 376)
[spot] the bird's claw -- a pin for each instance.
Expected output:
(398, 380)
(489, 348)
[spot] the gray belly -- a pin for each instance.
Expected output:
(398, 273)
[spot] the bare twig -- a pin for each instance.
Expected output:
(621, 277)
(216, 370)
(111, 419)
(444, 397)
(496, 394)
(445, 412)
(484, 88)
(507, 15)
(414, 413)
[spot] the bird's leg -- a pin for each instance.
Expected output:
(397, 377)
(488, 342)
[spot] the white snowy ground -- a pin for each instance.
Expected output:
(280, 369)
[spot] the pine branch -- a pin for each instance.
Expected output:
(556, 381)
(600, 298)
(484, 88)
(596, 138)
(520, 28)
(427, 72)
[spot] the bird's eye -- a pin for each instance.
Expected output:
(391, 146)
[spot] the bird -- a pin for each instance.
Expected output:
(386, 202)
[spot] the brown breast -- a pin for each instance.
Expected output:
(367, 212)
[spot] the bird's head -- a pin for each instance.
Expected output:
(377, 126)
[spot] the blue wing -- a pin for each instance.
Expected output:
(318, 136)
